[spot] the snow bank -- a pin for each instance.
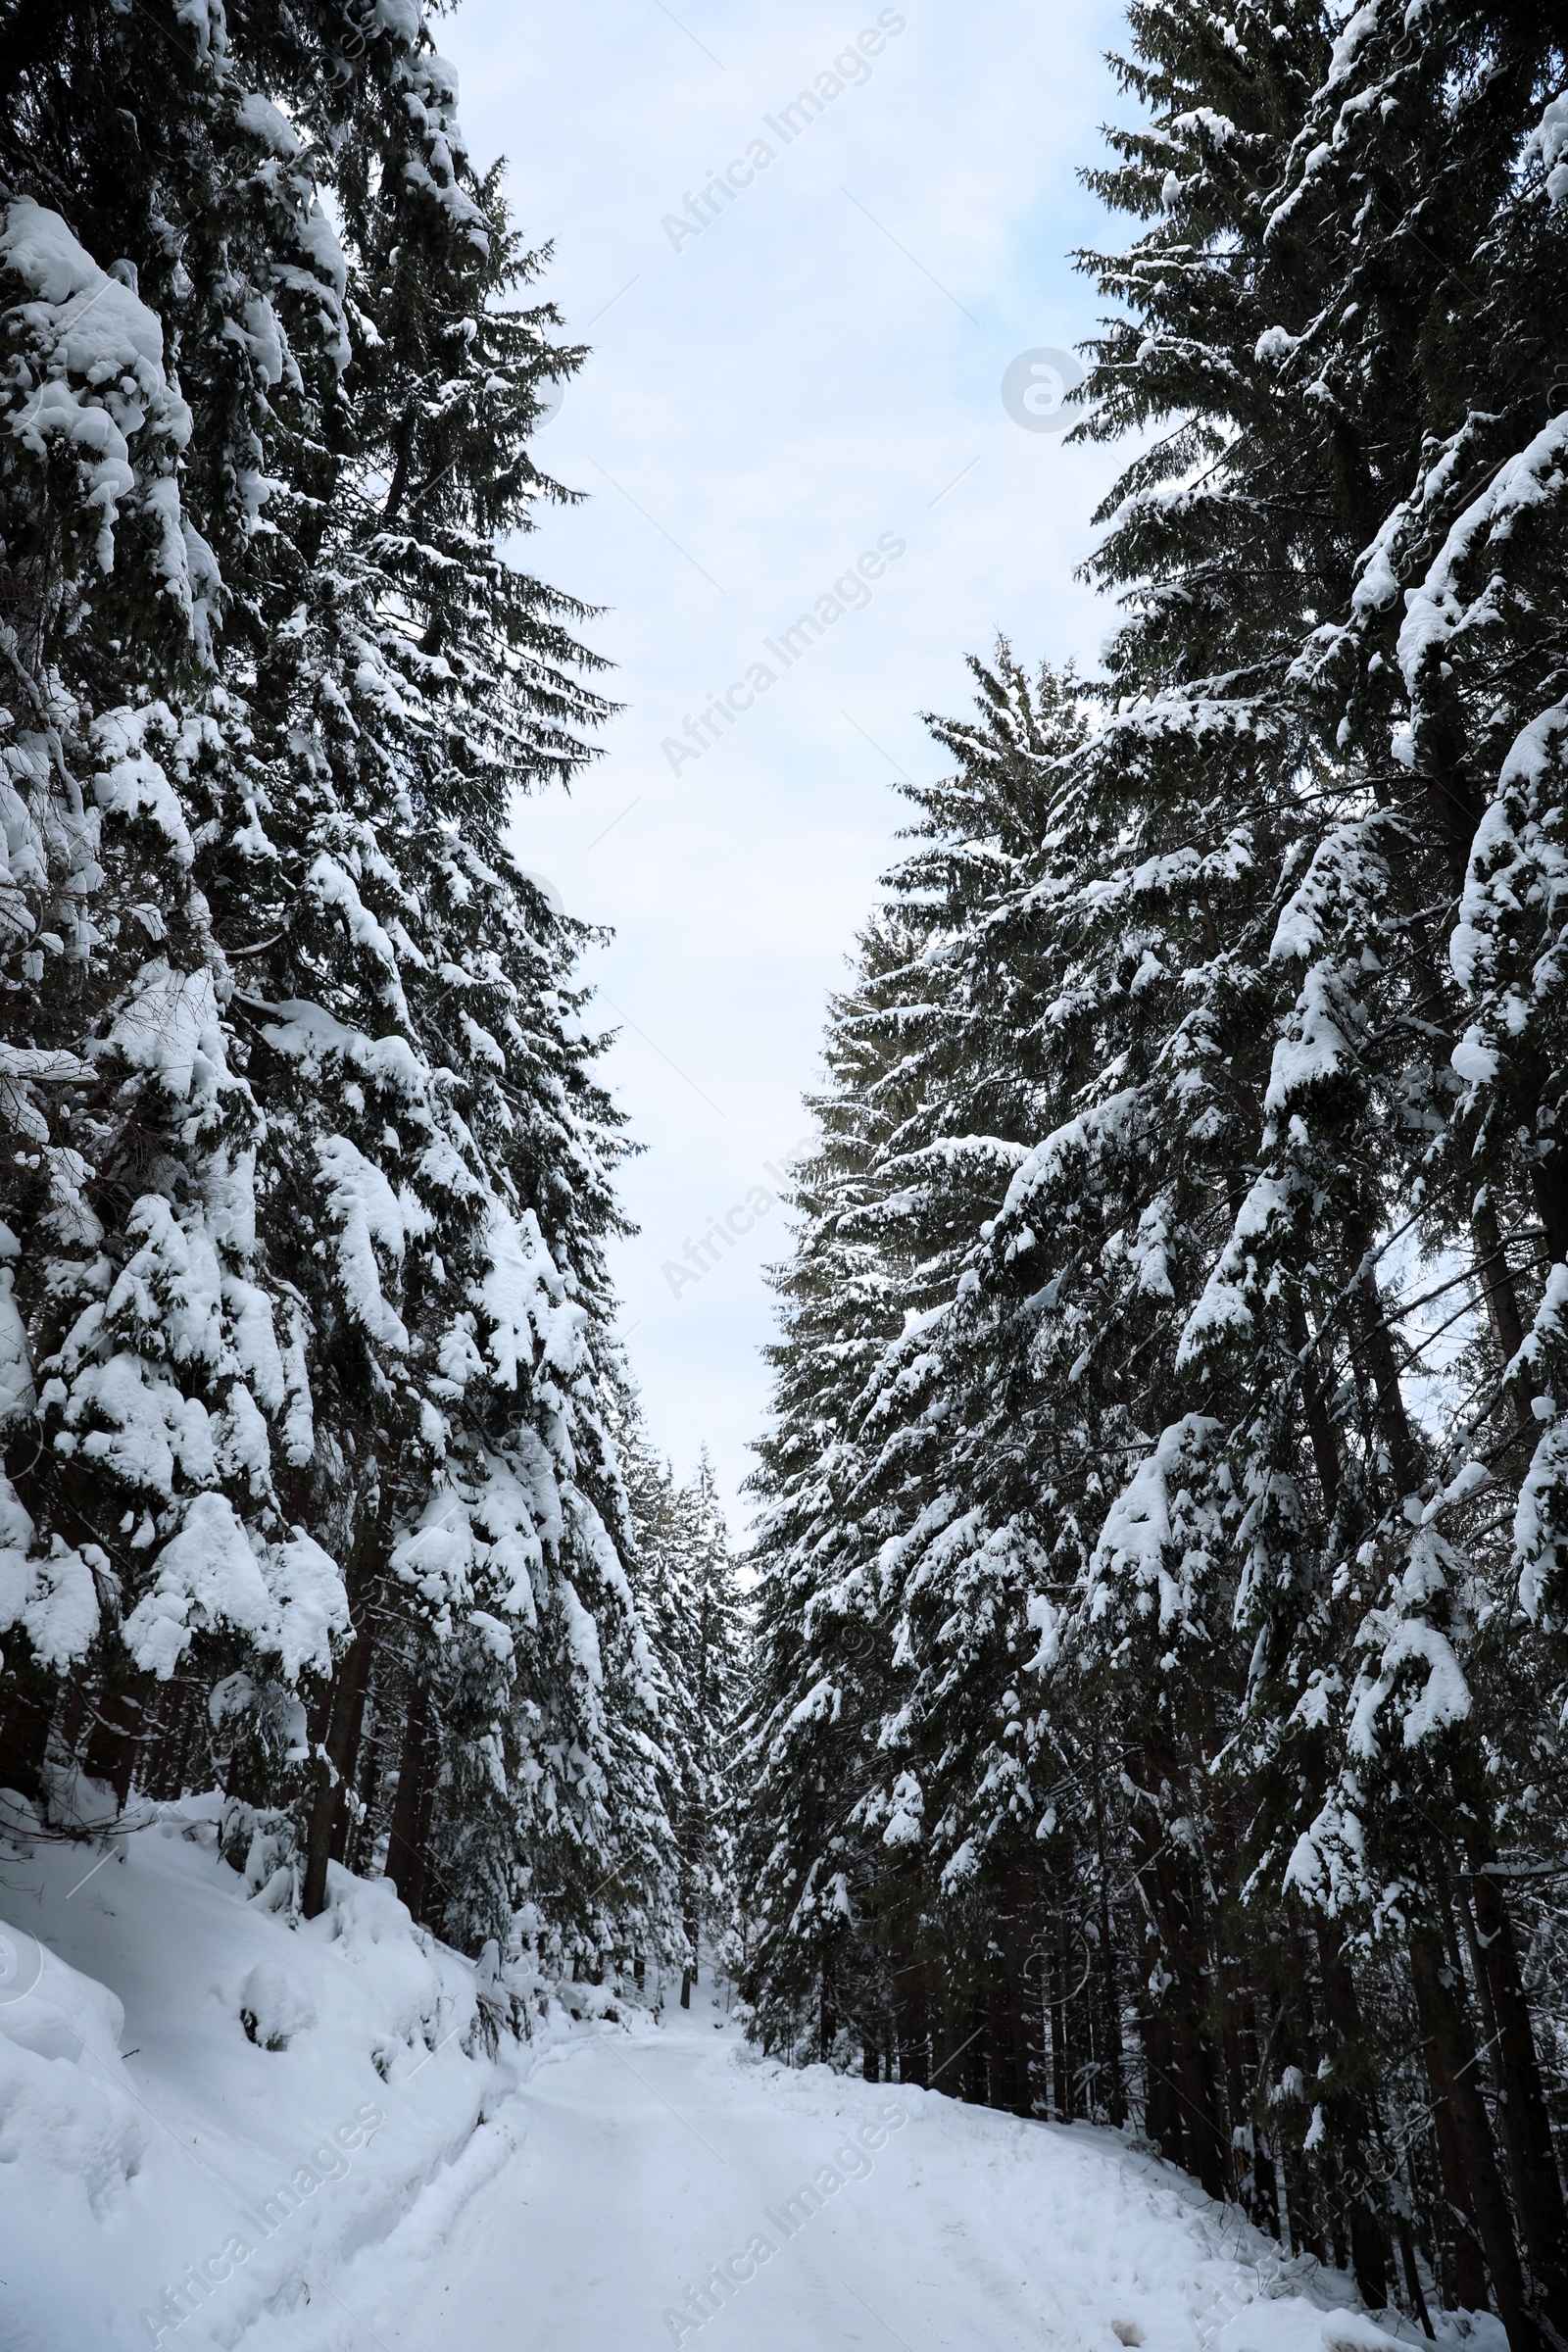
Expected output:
(205, 2113)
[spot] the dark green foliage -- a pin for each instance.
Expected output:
(1195, 1469)
(309, 1382)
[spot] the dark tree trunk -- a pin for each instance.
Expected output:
(335, 1770)
(1000, 2090)
(1022, 2012)
(945, 2037)
(1354, 2118)
(404, 1856)
(351, 1684)
(1163, 2115)
(1239, 2059)
(1110, 1994)
(1296, 2036)
(970, 2068)
(1060, 2056)
(1172, 1893)
(70, 1716)
(29, 1708)
(1320, 1426)
(1522, 2107)
(169, 1738)
(1196, 2073)
(429, 1881)
(115, 1728)
(1472, 2183)
(909, 2012)
(358, 1836)
(1502, 1309)
(1376, 1343)
(1549, 1185)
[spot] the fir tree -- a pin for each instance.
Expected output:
(306, 1325)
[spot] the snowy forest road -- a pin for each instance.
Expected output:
(648, 2167)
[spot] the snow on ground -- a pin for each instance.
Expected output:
(652, 2157)
(202, 2108)
(374, 2181)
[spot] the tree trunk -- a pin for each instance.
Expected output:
(1163, 2115)
(1001, 2088)
(170, 1738)
(1238, 2054)
(351, 1684)
(1297, 2037)
(115, 1726)
(403, 1861)
(1522, 2106)
(1179, 1919)
(426, 1876)
(1502, 1309)
(1110, 1998)
(1319, 1427)
(358, 1838)
(336, 1770)
(1472, 2183)
(909, 2013)
(1060, 2060)
(971, 2065)
(1376, 1347)
(1355, 2109)
(1021, 2014)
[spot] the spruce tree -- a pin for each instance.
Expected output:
(311, 1393)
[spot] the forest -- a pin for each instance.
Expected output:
(1143, 1700)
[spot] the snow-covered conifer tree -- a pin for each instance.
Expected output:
(309, 1368)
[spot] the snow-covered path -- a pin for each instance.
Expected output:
(349, 2172)
(645, 2161)
(648, 2162)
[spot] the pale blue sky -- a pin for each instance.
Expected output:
(816, 371)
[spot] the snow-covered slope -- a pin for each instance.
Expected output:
(203, 2107)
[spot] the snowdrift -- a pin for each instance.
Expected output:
(206, 2112)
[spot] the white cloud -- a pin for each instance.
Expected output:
(760, 405)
